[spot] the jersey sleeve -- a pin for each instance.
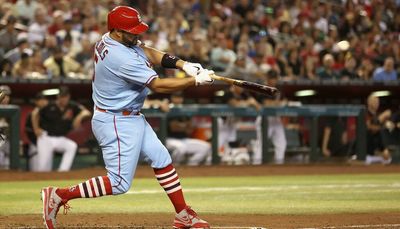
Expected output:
(137, 72)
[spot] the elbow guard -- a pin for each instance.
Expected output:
(169, 61)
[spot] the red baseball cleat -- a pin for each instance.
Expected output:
(51, 204)
(188, 218)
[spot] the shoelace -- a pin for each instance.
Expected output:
(65, 206)
(191, 211)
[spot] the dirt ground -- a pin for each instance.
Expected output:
(157, 220)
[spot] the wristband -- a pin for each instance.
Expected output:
(169, 61)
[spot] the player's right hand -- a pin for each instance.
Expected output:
(204, 78)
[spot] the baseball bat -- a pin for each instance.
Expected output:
(259, 88)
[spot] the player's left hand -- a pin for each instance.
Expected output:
(192, 69)
(204, 77)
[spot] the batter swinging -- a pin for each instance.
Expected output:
(122, 79)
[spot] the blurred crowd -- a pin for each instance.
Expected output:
(300, 39)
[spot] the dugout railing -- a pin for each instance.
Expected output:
(312, 112)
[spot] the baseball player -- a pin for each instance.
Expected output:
(122, 79)
(51, 125)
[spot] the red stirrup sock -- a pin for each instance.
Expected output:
(94, 187)
(169, 180)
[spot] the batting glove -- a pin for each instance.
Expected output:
(204, 78)
(192, 69)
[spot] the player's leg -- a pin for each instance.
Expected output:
(45, 153)
(199, 150)
(118, 137)
(160, 160)
(68, 147)
(120, 140)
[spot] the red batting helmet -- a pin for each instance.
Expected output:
(127, 19)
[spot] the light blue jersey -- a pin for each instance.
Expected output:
(120, 83)
(121, 76)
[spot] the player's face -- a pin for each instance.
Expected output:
(129, 39)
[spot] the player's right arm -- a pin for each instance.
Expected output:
(170, 85)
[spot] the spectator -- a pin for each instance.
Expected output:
(29, 66)
(243, 68)
(88, 30)
(386, 72)
(37, 69)
(72, 37)
(57, 22)
(51, 124)
(59, 65)
(294, 63)
(326, 72)
(260, 68)
(8, 36)
(85, 56)
(15, 54)
(50, 44)
(25, 9)
(310, 59)
(5, 68)
(38, 29)
(185, 149)
(22, 67)
(221, 55)
(365, 70)
(349, 70)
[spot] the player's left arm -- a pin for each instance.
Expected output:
(166, 60)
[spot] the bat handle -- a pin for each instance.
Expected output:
(228, 80)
